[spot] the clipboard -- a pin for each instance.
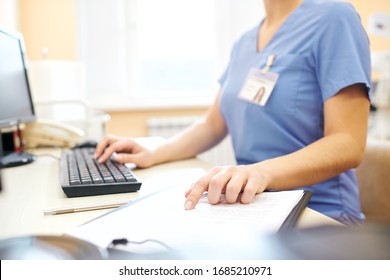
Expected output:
(160, 218)
(292, 219)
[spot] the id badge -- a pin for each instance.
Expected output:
(258, 86)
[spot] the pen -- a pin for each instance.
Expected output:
(57, 211)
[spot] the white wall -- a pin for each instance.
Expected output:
(9, 14)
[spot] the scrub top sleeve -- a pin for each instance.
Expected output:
(223, 77)
(341, 51)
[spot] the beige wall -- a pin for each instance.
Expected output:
(52, 24)
(134, 123)
(49, 24)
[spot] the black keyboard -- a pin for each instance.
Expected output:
(81, 175)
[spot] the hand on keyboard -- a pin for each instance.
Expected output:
(124, 150)
(82, 175)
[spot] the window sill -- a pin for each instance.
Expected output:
(128, 104)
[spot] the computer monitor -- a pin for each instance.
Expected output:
(16, 106)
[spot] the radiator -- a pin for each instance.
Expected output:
(222, 154)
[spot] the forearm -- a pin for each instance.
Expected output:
(196, 139)
(313, 164)
(199, 137)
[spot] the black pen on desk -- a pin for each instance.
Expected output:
(67, 210)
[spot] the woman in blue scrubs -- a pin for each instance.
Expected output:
(309, 131)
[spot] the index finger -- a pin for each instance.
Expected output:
(197, 189)
(100, 147)
(194, 195)
(116, 146)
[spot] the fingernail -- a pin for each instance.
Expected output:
(188, 205)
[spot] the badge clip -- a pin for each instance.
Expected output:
(269, 63)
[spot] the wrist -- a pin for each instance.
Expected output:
(159, 154)
(264, 170)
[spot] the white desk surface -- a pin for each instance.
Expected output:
(31, 189)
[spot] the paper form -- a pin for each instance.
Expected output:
(266, 212)
(162, 217)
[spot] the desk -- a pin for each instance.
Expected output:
(30, 189)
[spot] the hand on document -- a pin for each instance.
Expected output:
(238, 183)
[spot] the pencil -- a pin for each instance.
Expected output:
(57, 211)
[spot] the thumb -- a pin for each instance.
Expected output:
(140, 159)
(124, 158)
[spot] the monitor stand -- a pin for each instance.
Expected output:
(14, 158)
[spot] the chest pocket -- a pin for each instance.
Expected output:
(292, 70)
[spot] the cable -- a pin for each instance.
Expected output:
(125, 241)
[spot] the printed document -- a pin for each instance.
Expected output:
(161, 217)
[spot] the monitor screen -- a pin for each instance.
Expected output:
(16, 104)
(15, 98)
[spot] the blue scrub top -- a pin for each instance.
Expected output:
(320, 49)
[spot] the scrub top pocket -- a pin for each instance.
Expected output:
(290, 69)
